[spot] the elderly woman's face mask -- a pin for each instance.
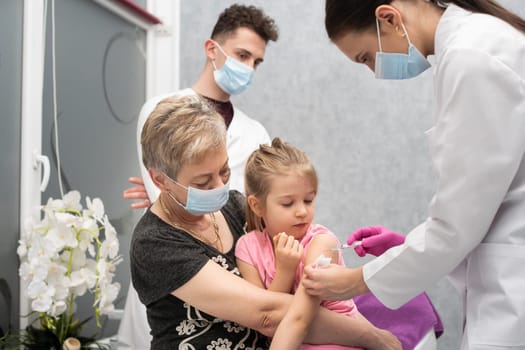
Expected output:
(200, 202)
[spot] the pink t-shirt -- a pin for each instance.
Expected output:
(255, 248)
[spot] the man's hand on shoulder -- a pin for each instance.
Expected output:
(137, 192)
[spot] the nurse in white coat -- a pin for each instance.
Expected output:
(475, 229)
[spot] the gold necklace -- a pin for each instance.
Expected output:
(193, 232)
(216, 230)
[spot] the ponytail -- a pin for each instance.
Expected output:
(489, 7)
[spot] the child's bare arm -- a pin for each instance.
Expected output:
(288, 254)
(294, 327)
(249, 273)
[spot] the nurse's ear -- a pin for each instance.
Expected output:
(390, 20)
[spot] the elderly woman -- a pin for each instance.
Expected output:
(182, 256)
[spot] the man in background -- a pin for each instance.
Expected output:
(236, 47)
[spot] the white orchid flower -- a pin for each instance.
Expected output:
(57, 308)
(62, 290)
(63, 255)
(41, 249)
(109, 248)
(56, 273)
(21, 250)
(107, 297)
(75, 257)
(95, 208)
(36, 269)
(53, 205)
(42, 296)
(62, 236)
(84, 276)
(106, 271)
(72, 200)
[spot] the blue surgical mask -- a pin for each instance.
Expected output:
(399, 65)
(200, 202)
(234, 76)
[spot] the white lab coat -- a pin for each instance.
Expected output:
(244, 135)
(476, 223)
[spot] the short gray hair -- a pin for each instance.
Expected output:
(180, 130)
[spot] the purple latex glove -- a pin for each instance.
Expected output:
(375, 240)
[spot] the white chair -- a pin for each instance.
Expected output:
(134, 328)
(429, 341)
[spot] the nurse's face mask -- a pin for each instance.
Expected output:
(399, 65)
(234, 76)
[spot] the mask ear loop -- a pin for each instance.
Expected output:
(220, 48)
(379, 36)
(406, 33)
(175, 182)
(172, 196)
(224, 53)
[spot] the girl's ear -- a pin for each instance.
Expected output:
(158, 178)
(255, 205)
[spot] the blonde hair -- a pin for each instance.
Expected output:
(180, 130)
(263, 164)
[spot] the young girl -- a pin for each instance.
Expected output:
(281, 185)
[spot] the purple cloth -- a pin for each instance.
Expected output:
(409, 323)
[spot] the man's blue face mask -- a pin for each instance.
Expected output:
(399, 65)
(234, 76)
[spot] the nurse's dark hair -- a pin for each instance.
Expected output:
(251, 17)
(342, 16)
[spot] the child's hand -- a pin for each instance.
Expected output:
(288, 252)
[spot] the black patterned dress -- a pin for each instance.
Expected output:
(163, 259)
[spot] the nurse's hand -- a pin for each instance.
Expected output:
(375, 240)
(334, 282)
(137, 192)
